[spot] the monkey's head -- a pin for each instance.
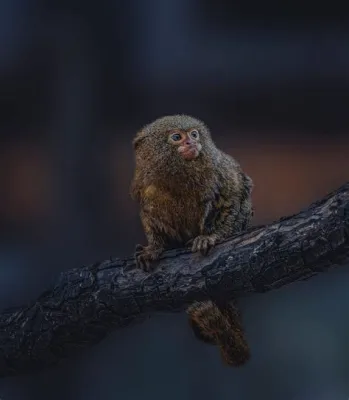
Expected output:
(175, 137)
(186, 142)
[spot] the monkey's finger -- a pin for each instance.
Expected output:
(146, 265)
(193, 247)
(139, 248)
(146, 262)
(199, 244)
(206, 250)
(140, 261)
(204, 246)
(189, 243)
(210, 243)
(207, 245)
(212, 240)
(196, 244)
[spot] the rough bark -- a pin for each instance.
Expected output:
(87, 303)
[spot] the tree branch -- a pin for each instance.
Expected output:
(87, 303)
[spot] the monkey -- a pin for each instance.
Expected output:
(191, 194)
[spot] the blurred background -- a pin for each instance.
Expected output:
(77, 80)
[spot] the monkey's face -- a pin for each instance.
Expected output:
(186, 143)
(176, 140)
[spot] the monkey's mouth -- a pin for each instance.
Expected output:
(190, 153)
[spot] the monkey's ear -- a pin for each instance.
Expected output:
(138, 139)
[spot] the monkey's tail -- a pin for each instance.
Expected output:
(221, 326)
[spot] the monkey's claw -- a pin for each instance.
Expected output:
(203, 244)
(138, 248)
(144, 257)
(189, 243)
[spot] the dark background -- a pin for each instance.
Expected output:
(77, 80)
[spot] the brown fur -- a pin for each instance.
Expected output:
(221, 326)
(201, 201)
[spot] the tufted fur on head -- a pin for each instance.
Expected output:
(157, 161)
(162, 126)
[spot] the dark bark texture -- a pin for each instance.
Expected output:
(89, 302)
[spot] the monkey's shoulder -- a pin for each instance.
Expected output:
(231, 177)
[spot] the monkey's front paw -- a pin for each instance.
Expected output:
(203, 244)
(138, 248)
(145, 256)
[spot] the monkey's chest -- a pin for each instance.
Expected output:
(179, 217)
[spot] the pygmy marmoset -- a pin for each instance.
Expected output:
(191, 193)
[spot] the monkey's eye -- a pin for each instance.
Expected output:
(194, 134)
(176, 137)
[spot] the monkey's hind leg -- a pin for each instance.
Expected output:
(145, 256)
(220, 325)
